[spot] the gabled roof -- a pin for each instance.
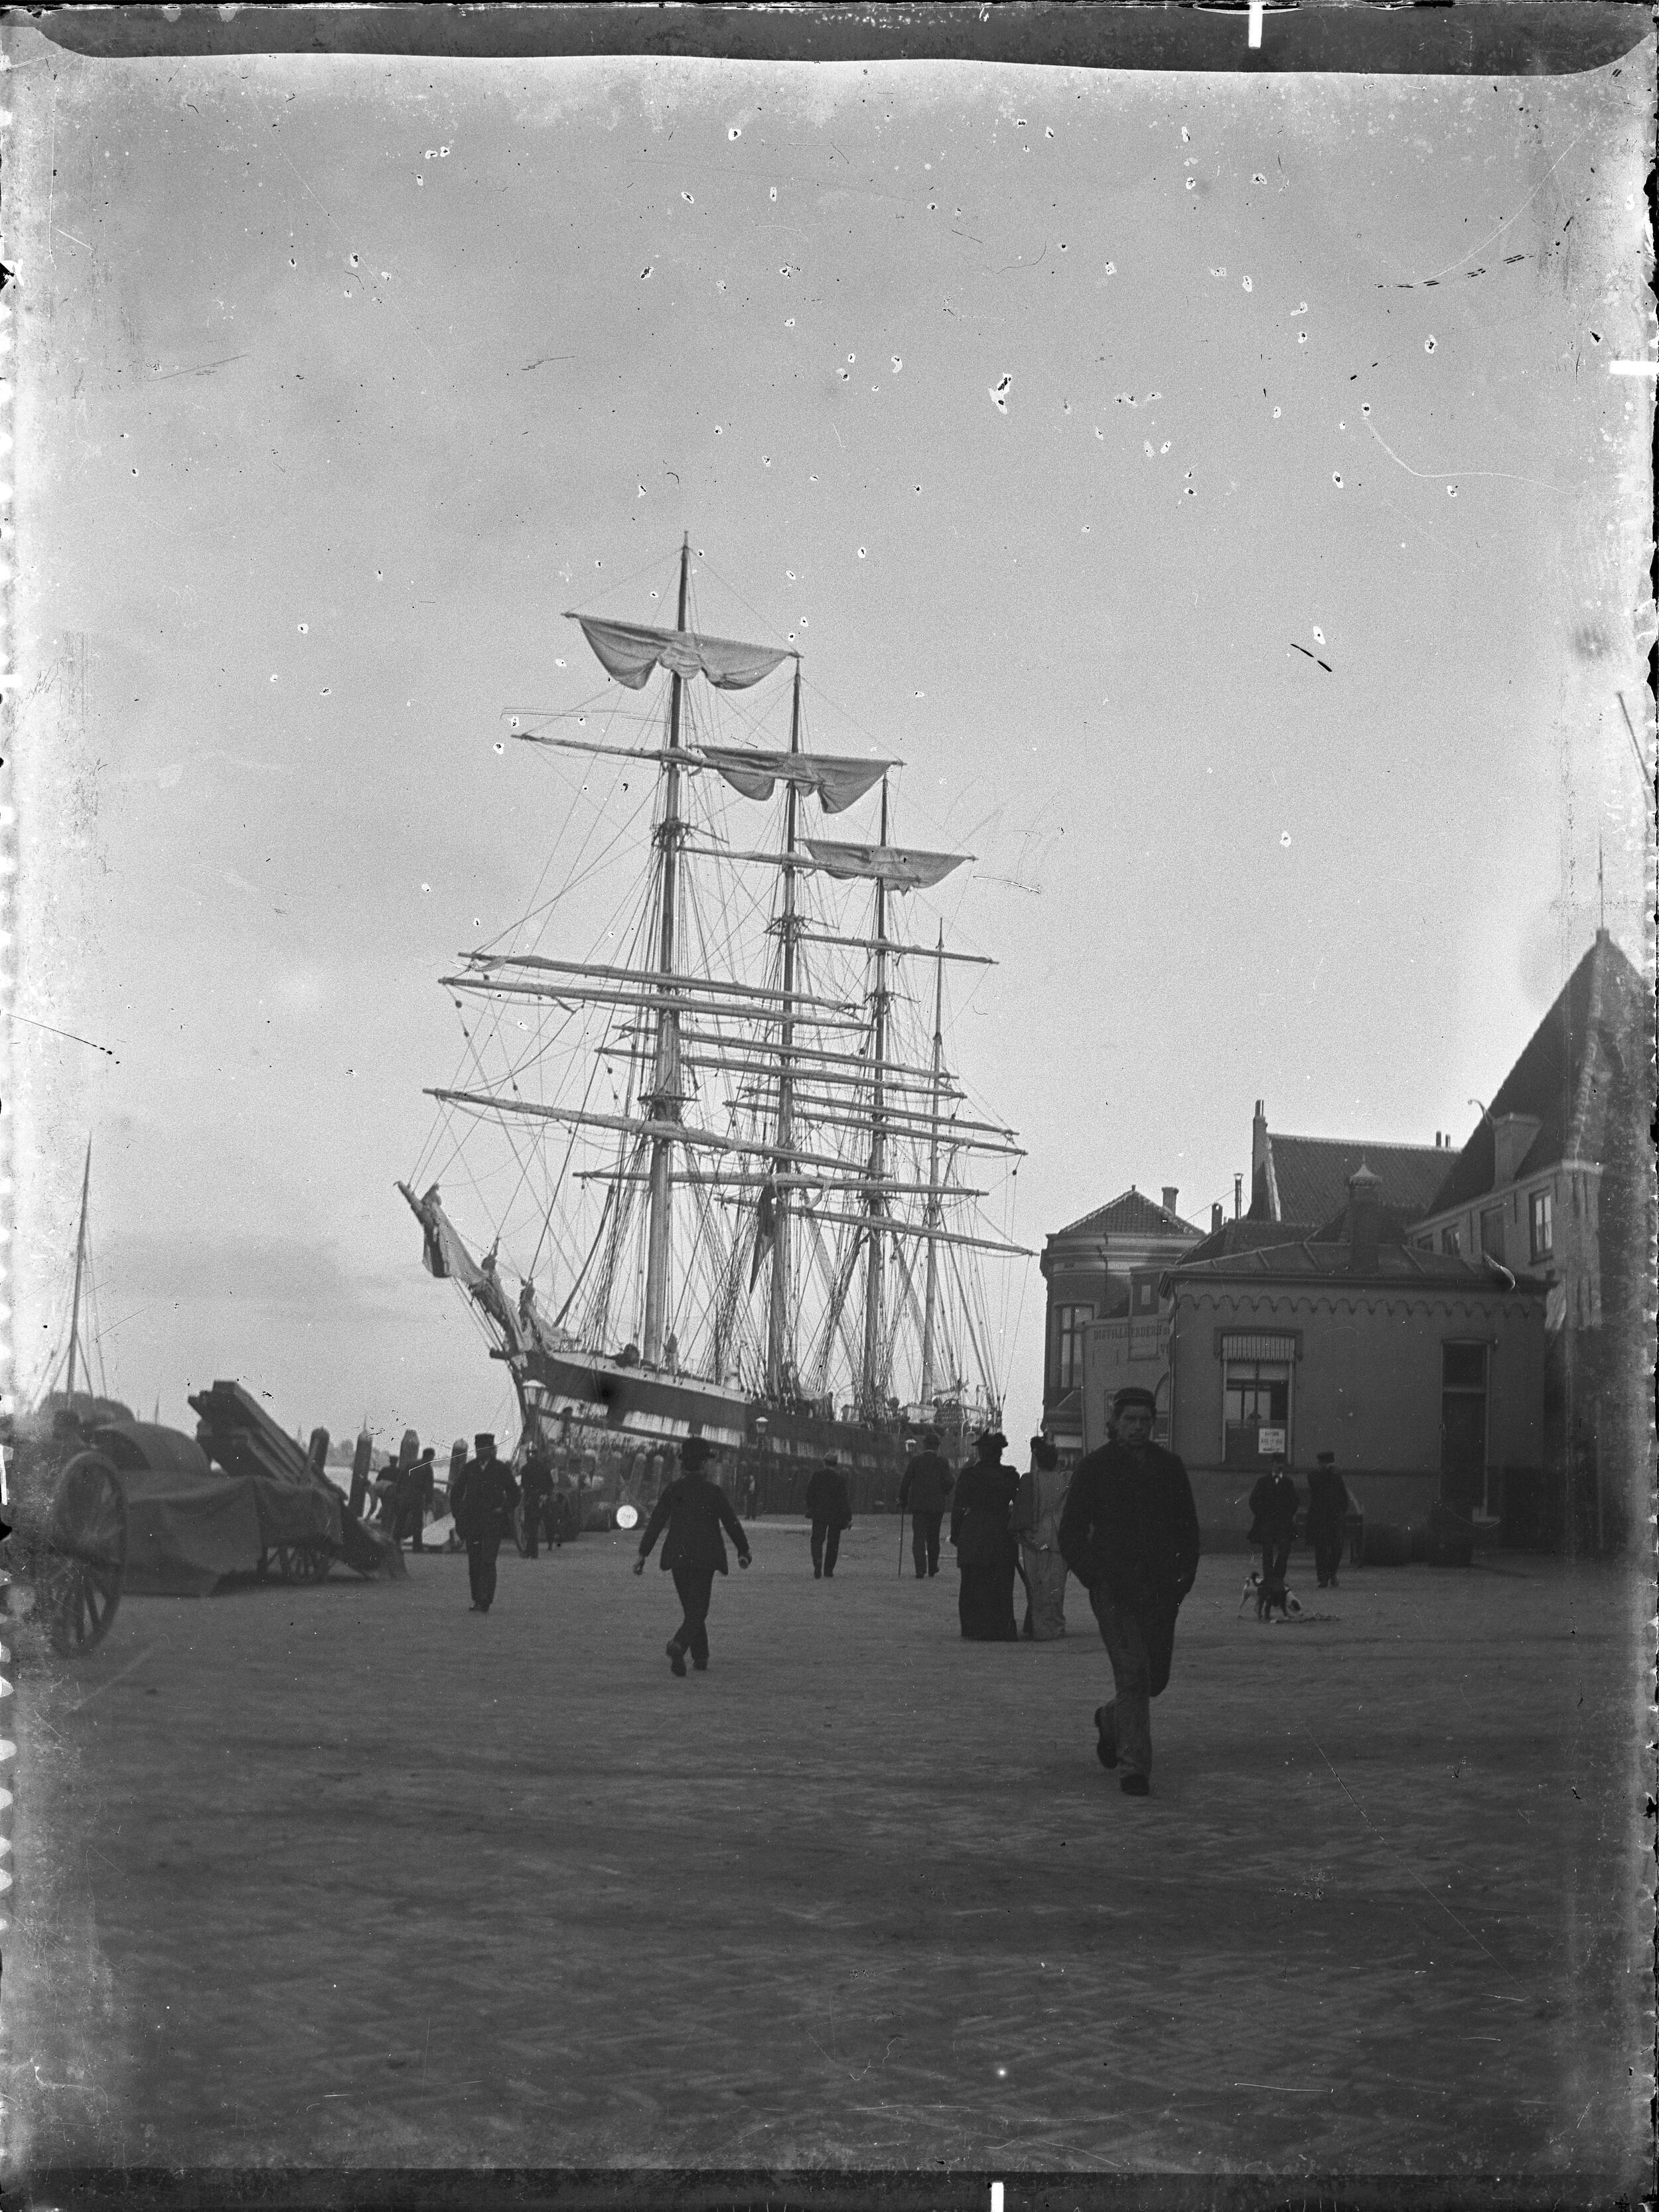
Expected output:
(1396, 1264)
(1309, 1176)
(1130, 1214)
(1600, 1024)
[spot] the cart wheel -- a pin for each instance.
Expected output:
(84, 1556)
(521, 1533)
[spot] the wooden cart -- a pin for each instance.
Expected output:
(68, 1547)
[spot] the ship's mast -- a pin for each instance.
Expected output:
(875, 1203)
(934, 1211)
(80, 1265)
(777, 1337)
(665, 1099)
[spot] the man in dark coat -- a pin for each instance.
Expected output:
(924, 1490)
(1275, 1503)
(693, 1509)
(830, 1509)
(537, 1485)
(988, 1550)
(1129, 1534)
(415, 1486)
(482, 1502)
(1327, 1506)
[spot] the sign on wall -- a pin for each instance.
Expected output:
(1270, 1440)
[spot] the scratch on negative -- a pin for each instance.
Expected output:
(1389, 1847)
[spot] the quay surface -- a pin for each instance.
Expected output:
(345, 1875)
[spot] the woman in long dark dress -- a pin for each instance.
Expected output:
(986, 1549)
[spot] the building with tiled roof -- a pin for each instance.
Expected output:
(1305, 1179)
(1422, 1371)
(1556, 1176)
(1099, 1265)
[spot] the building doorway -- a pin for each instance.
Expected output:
(1463, 1428)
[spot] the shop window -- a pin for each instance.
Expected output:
(1256, 1396)
(1542, 1209)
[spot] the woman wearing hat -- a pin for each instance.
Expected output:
(693, 1509)
(987, 1552)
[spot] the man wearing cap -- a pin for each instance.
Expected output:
(693, 1509)
(924, 1490)
(830, 1509)
(1129, 1534)
(1327, 1506)
(482, 1500)
(986, 1550)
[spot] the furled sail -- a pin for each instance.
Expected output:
(894, 865)
(837, 781)
(630, 651)
(445, 1257)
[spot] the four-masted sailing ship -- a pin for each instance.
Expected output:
(731, 1170)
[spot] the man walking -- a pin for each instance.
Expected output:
(1327, 1506)
(1273, 1506)
(1129, 1534)
(830, 1509)
(924, 1490)
(693, 1509)
(482, 1502)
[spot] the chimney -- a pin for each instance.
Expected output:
(1171, 1194)
(1215, 1220)
(1365, 1219)
(1261, 1181)
(1238, 1187)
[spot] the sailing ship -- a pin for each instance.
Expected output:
(741, 1188)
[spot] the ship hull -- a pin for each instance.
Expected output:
(572, 1398)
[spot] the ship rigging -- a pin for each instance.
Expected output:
(743, 1167)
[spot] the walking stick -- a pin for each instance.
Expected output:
(901, 1558)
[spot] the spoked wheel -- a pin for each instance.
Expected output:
(84, 1555)
(520, 1530)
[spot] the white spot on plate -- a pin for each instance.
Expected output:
(1284, 837)
(1336, 480)
(1428, 345)
(898, 364)
(1248, 286)
(1110, 269)
(860, 552)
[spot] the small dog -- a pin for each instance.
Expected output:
(1290, 1607)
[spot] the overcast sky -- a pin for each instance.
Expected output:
(1053, 412)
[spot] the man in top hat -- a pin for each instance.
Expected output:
(1129, 1534)
(830, 1509)
(693, 1509)
(924, 1492)
(1327, 1506)
(482, 1500)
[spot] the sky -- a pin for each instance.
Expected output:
(1214, 489)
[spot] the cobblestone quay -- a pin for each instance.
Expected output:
(348, 1875)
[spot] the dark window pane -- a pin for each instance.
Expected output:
(1465, 1367)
